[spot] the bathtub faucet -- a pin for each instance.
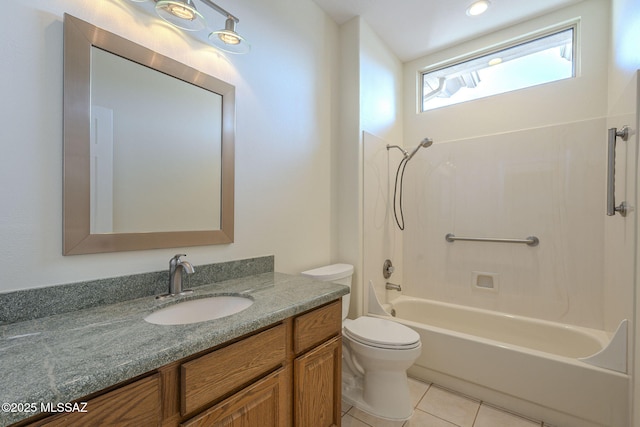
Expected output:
(393, 287)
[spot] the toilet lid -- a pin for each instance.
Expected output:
(381, 333)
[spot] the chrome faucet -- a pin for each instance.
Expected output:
(178, 269)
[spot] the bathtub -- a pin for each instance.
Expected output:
(533, 367)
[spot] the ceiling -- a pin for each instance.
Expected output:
(414, 28)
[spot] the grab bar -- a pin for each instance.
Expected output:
(611, 172)
(531, 240)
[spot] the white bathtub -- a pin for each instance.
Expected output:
(527, 365)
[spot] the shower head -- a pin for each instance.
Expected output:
(424, 143)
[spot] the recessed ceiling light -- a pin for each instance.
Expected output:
(478, 8)
(495, 61)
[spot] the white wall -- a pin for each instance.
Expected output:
(371, 93)
(285, 108)
(559, 102)
(347, 160)
(530, 162)
(624, 108)
(624, 56)
(381, 115)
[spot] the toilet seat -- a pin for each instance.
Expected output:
(381, 333)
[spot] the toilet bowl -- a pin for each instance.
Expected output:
(376, 355)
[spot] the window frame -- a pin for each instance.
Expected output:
(573, 24)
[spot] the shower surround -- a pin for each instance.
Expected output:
(525, 163)
(547, 182)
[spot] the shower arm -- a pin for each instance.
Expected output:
(404, 152)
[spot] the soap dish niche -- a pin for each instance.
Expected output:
(485, 281)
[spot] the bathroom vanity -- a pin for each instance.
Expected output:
(277, 363)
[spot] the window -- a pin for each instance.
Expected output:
(542, 60)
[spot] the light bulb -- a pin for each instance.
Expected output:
(229, 38)
(181, 12)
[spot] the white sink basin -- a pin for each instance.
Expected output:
(199, 310)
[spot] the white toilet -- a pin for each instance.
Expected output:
(376, 354)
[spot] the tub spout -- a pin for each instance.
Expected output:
(392, 287)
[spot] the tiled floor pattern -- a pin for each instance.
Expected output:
(437, 407)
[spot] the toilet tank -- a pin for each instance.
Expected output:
(336, 273)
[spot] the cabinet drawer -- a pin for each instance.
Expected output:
(263, 404)
(213, 375)
(136, 404)
(317, 326)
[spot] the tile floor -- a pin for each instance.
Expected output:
(438, 407)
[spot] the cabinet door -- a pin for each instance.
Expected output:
(317, 386)
(263, 404)
(136, 404)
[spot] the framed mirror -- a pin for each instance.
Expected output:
(148, 148)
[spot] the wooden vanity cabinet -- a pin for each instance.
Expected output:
(216, 374)
(134, 404)
(286, 375)
(317, 386)
(317, 368)
(264, 403)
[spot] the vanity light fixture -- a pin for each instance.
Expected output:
(228, 40)
(183, 14)
(478, 7)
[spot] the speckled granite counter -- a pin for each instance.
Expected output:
(64, 357)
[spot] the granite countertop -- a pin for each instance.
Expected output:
(64, 357)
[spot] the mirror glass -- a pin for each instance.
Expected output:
(160, 176)
(148, 148)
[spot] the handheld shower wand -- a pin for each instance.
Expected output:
(426, 142)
